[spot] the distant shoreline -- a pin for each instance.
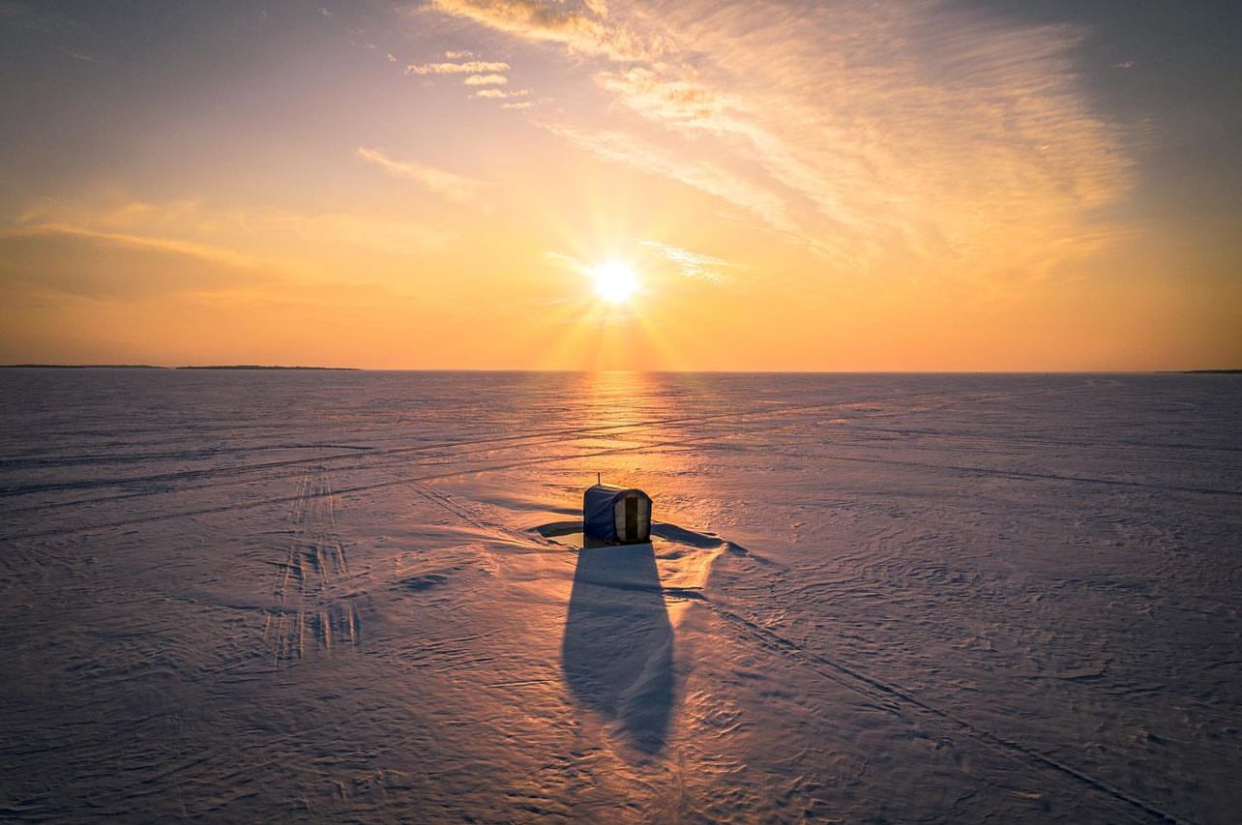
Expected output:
(154, 367)
(1211, 372)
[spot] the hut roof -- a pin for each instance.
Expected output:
(598, 514)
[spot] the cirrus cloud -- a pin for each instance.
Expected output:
(446, 184)
(470, 67)
(889, 134)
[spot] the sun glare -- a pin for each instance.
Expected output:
(614, 282)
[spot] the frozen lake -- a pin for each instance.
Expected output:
(356, 596)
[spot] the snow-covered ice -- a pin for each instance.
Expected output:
(340, 596)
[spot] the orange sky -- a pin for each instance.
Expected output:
(797, 186)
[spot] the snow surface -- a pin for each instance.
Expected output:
(261, 596)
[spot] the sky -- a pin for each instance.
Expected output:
(1009, 185)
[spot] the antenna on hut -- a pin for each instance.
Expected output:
(599, 478)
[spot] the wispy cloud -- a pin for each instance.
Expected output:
(901, 134)
(701, 174)
(190, 227)
(56, 259)
(446, 184)
(157, 244)
(501, 94)
(669, 94)
(486, 80)
(469, 67)
(582, 26)
(567, 261)
(693, 264)
(106, 270)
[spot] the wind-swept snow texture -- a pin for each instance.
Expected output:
(260, 596)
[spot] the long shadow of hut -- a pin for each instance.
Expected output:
(617, 653)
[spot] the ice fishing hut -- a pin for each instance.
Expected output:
(617, 515)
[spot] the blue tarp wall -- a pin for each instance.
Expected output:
(599, 520)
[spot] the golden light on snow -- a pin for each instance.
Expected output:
(615, 282)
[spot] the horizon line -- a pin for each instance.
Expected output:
(314, 368)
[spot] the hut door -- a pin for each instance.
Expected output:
(631, 518)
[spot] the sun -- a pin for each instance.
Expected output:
(614, 281)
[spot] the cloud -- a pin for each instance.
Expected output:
(567, 261)
(196, 250)
(693, 264)
(78, 277)
(458, 55)
(501, 94)
(582, 26)
(701, 174)
(189, 228)
(525, 104)
(446, 184)
(77, 261)
(470, 67)
(486, 80)
(667, 94)
(921, 136)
